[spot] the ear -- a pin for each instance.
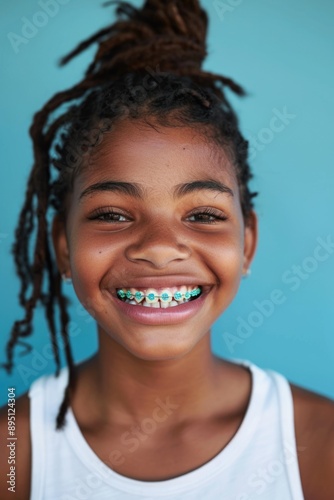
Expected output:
(250, 240)
(60, 245)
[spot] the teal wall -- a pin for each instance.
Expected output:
(281, 51)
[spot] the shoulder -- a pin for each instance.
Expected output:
(20, 450)
(314, 427)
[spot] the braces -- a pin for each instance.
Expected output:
(164, 297)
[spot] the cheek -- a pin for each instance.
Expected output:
(225, 260)
(96, 264)
(225, 255)
(89, 261)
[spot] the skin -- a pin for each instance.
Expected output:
(158, 235)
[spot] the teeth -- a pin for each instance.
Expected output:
(151, 296)
(138, 296)
(179, 295)
(167, 297)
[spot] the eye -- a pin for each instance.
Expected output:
(108, 215)
(208, 216)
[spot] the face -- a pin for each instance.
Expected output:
(157, 208)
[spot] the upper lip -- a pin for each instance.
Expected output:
(163, 282)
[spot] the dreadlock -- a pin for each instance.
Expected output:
(147, 65)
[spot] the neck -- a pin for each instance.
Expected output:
(127, 388)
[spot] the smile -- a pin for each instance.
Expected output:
(167, 297)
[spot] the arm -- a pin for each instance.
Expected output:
(22, 451)
(314, 425)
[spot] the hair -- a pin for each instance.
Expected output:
(147, 67)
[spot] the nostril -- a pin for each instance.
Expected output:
(158, 253)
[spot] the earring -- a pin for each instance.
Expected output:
(66, 279)
(247, 273)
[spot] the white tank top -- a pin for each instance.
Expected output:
(260, 462)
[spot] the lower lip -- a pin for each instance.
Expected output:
(169, 316)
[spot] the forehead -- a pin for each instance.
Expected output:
(156, 156)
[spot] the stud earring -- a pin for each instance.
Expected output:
(247, 273)
(66, 279)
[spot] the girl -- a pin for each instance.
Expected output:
(154, 225)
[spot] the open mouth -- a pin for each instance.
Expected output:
(159, 299)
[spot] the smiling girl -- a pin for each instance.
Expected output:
(154, 225)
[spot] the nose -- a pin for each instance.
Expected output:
(160, 244)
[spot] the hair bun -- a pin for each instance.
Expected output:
(167, 33)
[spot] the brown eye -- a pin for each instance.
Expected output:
(208, 216)
(108, 215)
(111, 217)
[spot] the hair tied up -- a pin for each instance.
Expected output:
(171, 33)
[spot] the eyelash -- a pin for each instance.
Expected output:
(210, 212)
(101, 212)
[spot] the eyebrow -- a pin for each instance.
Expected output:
(202, 185)
(130, 189)
(136, 191)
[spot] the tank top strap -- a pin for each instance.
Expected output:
(278, 406)
(45, 395)
(286, 409)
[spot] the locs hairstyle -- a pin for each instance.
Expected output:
(147, 66)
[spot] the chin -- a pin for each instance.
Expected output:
(156, 345)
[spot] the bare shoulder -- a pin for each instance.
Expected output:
(314, 426)
(16, 452)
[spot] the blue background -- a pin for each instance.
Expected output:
(281, 51)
